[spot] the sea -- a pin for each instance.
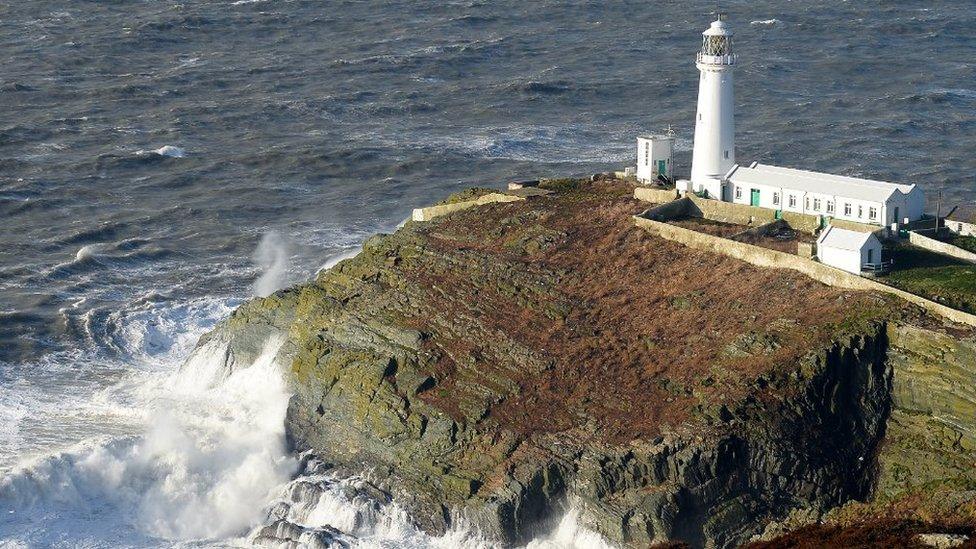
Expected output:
(162, 161)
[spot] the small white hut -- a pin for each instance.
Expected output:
(962, 221)
(852, 251)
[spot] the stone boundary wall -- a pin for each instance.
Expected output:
(426, 214)
(657, 196)
(764, 257)
(855, 226)
(761, 230)
(670, 210)
(940, 247)
(741, 214)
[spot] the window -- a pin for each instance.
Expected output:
(775, 199)
(830, 206)
(792, 200)
(860, 212)
(872, 213)
(738, 193)
(816, 204)
(847, 210)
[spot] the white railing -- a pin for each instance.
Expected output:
(717, 59)
(882, 267)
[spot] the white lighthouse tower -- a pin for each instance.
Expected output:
(714, 153)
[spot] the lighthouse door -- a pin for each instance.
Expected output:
(754, 198)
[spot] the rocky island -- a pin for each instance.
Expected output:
(505, 363)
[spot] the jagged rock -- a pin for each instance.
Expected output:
(283, 534)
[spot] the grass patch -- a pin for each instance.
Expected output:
(933, 276)
(967, 243)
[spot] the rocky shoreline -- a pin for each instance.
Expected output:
(503, 364)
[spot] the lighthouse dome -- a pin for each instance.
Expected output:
(718, 28)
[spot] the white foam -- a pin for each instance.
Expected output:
(202, 469)
(569, 534)
(170, 151)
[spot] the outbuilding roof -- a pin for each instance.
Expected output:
(965, 214)
(844, 239)
(814, 182)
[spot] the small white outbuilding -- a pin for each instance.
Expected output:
(852, 251)
(655, 157)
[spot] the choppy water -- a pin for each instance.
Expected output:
(149, 148)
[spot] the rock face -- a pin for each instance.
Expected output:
(505, 363)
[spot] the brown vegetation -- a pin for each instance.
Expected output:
(572, 302)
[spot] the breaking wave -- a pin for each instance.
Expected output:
(208, 453)
(170, 151)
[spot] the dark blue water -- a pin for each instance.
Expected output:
(323, 122)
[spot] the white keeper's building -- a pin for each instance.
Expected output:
(832, 196)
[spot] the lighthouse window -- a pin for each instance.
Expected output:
(775, 199)
(830, 207)
(717, 45)
(792, 200)
(738, 193)
(847, 210)
(872, 213)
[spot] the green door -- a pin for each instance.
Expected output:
(662, 168)
(754, 199)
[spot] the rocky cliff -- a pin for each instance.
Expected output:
(503, 364)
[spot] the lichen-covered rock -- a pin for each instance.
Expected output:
(507, 362)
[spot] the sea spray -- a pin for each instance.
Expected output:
(212, 451)
(271, 258)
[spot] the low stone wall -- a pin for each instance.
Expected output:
(655, 195)
(764, 257)
(940, 247)
(426, 214)
(761, 230)
(855, 226)
(669, 210)
(741, 214)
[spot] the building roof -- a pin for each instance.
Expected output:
(844, 239)
(965, 214)
(656, 137)
(814, 182)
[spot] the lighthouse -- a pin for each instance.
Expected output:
(714, 152)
